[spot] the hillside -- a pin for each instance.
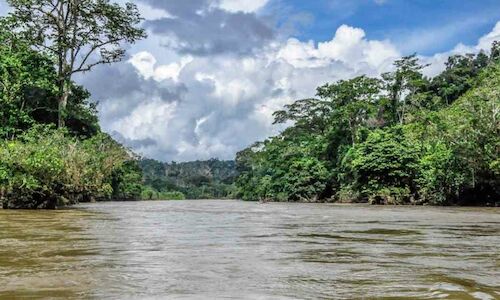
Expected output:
(195, 180)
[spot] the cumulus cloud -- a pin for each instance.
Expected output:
(348, 46)
(146, 65)
(200, 107)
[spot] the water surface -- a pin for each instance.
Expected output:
(240, 250)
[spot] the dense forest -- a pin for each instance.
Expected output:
(212, 179)
(52, 151)
(399, 139)
(402, 138)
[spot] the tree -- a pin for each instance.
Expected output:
(26, 77)
(495, 51)
(28, 91)
(79, 34)
(403, 84)
(352, 101)
(309, 114)
(126, 181)
(45, 168)
(458, 77)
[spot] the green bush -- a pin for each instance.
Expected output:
(127, 181)
(45, 168)
(149, 193)
(384, 167)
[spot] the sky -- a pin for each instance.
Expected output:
(205, 82)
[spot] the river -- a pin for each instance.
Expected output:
(241, 250)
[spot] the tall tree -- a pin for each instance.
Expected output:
(352, 101)
(79, 34)
(403, 84)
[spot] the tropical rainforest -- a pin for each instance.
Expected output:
(52, 150)
(403, 138)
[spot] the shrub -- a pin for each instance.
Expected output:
(384, 167)
(46, 168)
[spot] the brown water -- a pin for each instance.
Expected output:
(239, 250)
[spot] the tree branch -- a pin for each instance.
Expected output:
(92, 50)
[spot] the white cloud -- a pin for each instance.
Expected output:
(150, 13)
(486, 41)
(348, 46)
(146, 120)
(247, 6)
(146, 65)
(201, 107)
(144, 62)
(229, 100)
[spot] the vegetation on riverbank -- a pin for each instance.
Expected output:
(45, 167)
(400, 139)
(52, 151)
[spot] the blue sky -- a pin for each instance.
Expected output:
(423, 26)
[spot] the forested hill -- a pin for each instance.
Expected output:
(195, 180)
(400, 139)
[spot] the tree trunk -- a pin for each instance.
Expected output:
(63, 103)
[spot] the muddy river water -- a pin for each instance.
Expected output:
(238, 250)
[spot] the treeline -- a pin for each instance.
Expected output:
(211, 179)
(399, 139)
(52, 150)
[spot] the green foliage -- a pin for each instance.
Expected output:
(41, 167)
(31, 170)
(149, 193)
(45, 168)
(353, 103)
(458, 77)
(126, 181)
(28, 91)
(212, 179)
(383, 168)
(78, 35)
(404, 89)
(305, 180)
(284, 168)
(24, 76)
(406, 139)
(436, 181)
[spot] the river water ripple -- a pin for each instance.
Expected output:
(240, 250)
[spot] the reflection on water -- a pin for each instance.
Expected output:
(232, 249)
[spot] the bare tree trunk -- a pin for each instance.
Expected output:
(63, 103)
